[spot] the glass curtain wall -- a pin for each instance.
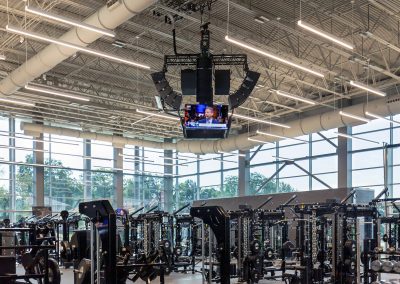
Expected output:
(77, 170)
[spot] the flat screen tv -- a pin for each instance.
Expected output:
(206, 121)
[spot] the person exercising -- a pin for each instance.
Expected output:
(209, 116)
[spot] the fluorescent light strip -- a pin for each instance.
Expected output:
(260, 120)
(325, 35)
(294, 97)
(96, 158)
(282, 158)
(244, 45)
(355, 137)
(183, 156)
(354, 116)
(2, 57)
(54, 92)
(73, 46)
(381, 117)
(382, 41)
(222, 160)
(156, 164)
(37, 140)
(233, 154)
(16, 102)
(135, 158)
(279, 136)
(157, 115)
(367, 88)
(71, 22)
(175, 159)
(132, 170)
(260, 141)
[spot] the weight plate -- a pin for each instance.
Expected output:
(269, 253)
(255, 247)
(387, 266)
(396, 267)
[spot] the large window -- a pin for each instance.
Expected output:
(77, 169)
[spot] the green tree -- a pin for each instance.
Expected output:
(152, 187)
(102, 184)
(209, 192)
(230, 186)
(4, 202)
(64, 186)
(186, 192)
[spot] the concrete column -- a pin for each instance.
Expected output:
(344, 158)
(119, 177)
(389, 161)
(38, 171)
(244, 173)
(168, 190)
(198, 178)
(137, 178)
(12, 172)
(87, 174)
(277, 166)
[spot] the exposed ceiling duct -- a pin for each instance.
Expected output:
(327, 120)
(106, 18)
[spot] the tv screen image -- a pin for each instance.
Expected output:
(206, 116)
(206, 121)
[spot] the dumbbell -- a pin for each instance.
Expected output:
(396, 267)
(255, 247)
(350, 264)
(269, 253)
(388, 266)
(376, 265)
(178, 251)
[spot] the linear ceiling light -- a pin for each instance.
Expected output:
(294, 97)
(132, 157)
(274, 57)
(71, 22)
(73, 46)
(354, 116)
(96, 158)
(260, 120)
(174, 159)
(222, 160)
(355, 137)
(282, 158)
(2, 57)
(381, 117)
(257, 140)
(16, 102)
(188, 157)
(367, 88)
(382, 41)
(233, 154)
(325, 35)
(54, 92)
(157, 114)
(279, 136)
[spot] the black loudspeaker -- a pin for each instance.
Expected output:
(222, 82)
(240, 96)
(167, 94)
(188, 82)
(204, 94)
(174, 100)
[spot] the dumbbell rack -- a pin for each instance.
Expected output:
(378, 267)
(9, 276)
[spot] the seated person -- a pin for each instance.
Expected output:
(209, 116)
